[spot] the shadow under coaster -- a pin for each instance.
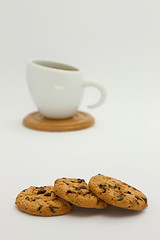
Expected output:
(79, 121)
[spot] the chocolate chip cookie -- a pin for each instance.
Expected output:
(42, 201)
(76, 191)
(117, 193)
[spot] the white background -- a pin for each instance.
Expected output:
(116, 43)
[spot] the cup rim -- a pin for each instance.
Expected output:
(62, 67)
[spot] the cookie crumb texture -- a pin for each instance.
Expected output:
(77, 192)
(42, 201)
(117, 193)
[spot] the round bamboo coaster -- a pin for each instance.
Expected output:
(79, 121)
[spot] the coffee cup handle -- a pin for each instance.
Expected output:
(102, 92)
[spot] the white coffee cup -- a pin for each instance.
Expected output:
(57, 89)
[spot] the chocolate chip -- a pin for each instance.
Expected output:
(52, 208)
(145, 199)
(110, 186)
(34, 199)
(48, 194)
(39, 208)
(97, 201)
(66, 183)
(72, 181)
(27, 198)
(120, 198)
(86, 193)
(80, 180)
(41, 191)
(114, 187)
(81, 187)
(24, 190)
(136, 189)
(129, 192)
(103, 187)
(138, 197)
(56, 198)
(69, 191)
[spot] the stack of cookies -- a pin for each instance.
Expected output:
(100, 193)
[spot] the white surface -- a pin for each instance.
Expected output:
(116, 43)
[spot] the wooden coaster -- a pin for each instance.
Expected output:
(80, 120)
